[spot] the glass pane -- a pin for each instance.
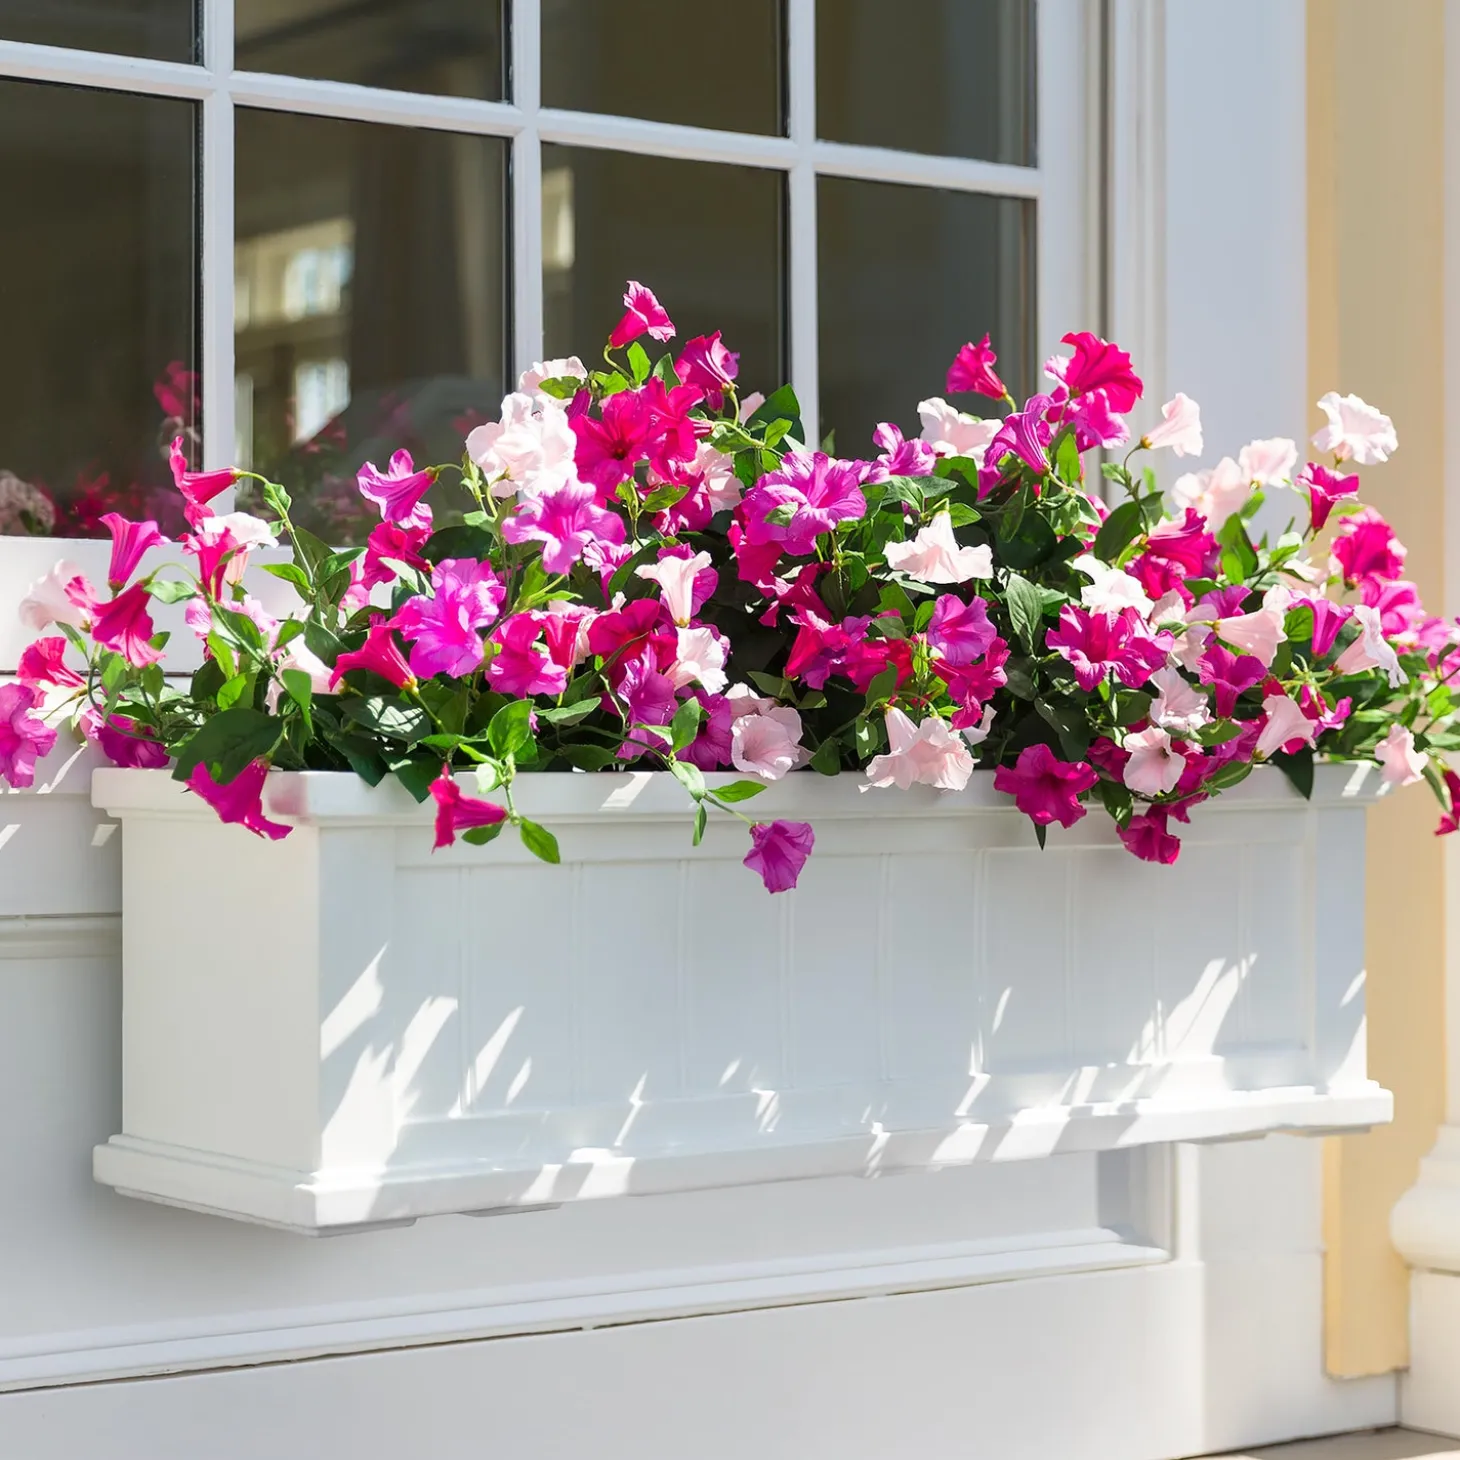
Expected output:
(706, 238)
(907, 275)
(447, 47)
(952, 77)
(369, 301)
(165, 30)
(100, 261)
(648, 58)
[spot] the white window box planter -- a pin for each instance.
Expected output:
(344, 1029)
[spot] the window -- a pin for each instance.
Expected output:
(302, 232)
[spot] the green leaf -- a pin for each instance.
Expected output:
(479, 836)
(827, 760)
(1117, 532)
(881, 687)
(231, 692)
(539, 841)
(962, 515)
(309, 551)
(741, 790)
(1066, 458)
(686, 724)
(780, 405)
(291, 573)
(638, 362)
(702, 817)
(1298, 768)
(511, 728)
(386, 715)
(1026, 610)
(1117, 799)
(689, 776)
(222, 652)
(1026, 541)
(170, 590)
(301, 691)
(1239, 557)
(588, 757)
(867, 739)
(1131, 706)
(1040, 834)
(228, 742)
(568, 714)
(664, 370)
(458, 542)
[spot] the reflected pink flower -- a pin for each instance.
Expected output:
(973, 370)
(125, 626)
(778, 852)
(397, 492)
(643, 314)
(456, 811)
(1045, 788)
(129, 541)
(239, 801)
(24, 736)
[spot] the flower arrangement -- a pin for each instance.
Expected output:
(650, 572)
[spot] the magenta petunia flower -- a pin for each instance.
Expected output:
(1045, 788)
(197, 487)
(1329, 618)
(125, 626)
(960, 632)
(1094, 423)
(808, 494)
(643, 314)
(1366, 547)
(710, 749)
(778, 852)
(674, 437)
(213, 544)
(126, 743)
(43, 663)
(648, 698)
(239, 801)
(1099, 365)
(973, 370)
(566, 519)
(1229, 675)
(1187, 543)
(24, 736)
(380, 654)
(608, 448)
(900, 457)
(706, 363)
(397, 491)
(458, 812)
(1097, 644)
(391, 543)
(1024, 435)
(519, 668)
(1146, 837)
(443, 631)
(129, 541)
(1325, 489)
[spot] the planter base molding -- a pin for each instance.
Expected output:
(413, 1034)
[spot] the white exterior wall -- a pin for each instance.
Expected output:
(1219, 1346)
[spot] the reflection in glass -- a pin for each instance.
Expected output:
(446, 47)
(99, 259)
(165, 30)
(706, 238)
(369, 302)
(907, 275)
(950, 77)
(647, 58)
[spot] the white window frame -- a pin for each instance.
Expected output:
(1064, 185)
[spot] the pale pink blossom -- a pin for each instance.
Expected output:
(1258, 633)
(248, 532)
(977, 734)
(529, 449)
(1112, 590)
(1285, 722)
(570, 367)
(1403, 764)
(1266, 463)
(1355, 431)
(1154, 766)
(299, 656)
(62, 596)
(744, 701)
(676, 580)
(931, 754)
(1216, 494)
(1178, 705)
(751, 404)
(1371, 650)
(934, 555)
(1180, 427)
(699, 658)
(952, 433)
(1190, 645)
(767, 743)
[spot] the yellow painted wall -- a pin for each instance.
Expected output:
(1375, 221)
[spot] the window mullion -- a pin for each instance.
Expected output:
(801, 209)
(526, 39)
(219, 447)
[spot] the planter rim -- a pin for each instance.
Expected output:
(312, 798)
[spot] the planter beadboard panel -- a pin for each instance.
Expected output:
(403, 1034)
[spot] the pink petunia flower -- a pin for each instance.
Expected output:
(608, 448)
(1023, 435)
(1371, 650)
(397, 492)
(1098, 365)
(931, 753)
(648, 698)
(391, 543)
(1267, 463)
(456, 811)
(241, 800)
(62, 596)
(1146, 837)
(1187, 543)
(778, 852)
(767, 743)
(960, 632)
(1450, 821)
(1284, 724)
(1180, 427)
(532, 443)
(519, 668)
(1355, 431)
(679, 580)
(1328, 619)
(1155, 765)
(1325, 489)
(935, 556)
(444, 629)
(973, 370)
(1095, 423)
(197, 487)
(125, 626)
(125, 742)
(1366, 547)
(42, 662)
(129, 541)
(24, 736)
(710, 749)
(380, 654)
(706, 364)
(807, 495)
(1214, 495)
(566, 519)
(1045, 788)
(953, 433)
(1229, 674)
(1097, 644)
(1403, 764)
(900, 457)
(1260, 632)
(643, 314)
